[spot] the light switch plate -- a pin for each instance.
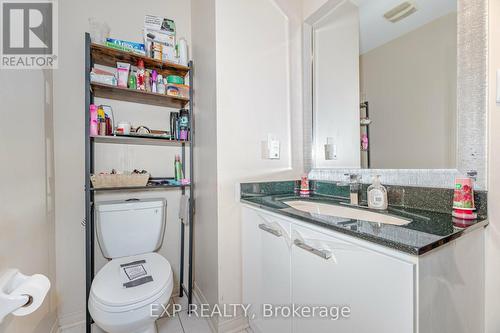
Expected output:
(330, 149)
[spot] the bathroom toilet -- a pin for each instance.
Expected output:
(137, 281)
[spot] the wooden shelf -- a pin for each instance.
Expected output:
(137, 140)
(139, 188)
(107, 56)
(137, 96)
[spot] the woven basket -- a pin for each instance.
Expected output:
(114, 180)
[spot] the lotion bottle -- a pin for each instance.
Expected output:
(377, 195)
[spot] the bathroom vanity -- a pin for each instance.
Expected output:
(424, 276)
(410, 107)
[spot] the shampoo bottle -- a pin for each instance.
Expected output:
(377, 195)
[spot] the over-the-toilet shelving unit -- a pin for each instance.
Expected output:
(102, 55)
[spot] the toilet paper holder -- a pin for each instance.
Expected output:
(12, 301)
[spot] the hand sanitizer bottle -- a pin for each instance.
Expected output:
(377, 195)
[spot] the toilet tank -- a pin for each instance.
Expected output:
(130, 227)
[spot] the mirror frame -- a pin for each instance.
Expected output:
(472, 106)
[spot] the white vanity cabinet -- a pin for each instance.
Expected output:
(377, 289)
(266, 267)
(294, 263)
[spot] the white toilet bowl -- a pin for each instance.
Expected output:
(117, 309)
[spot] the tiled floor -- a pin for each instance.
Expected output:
(181, 323)
(184, 323)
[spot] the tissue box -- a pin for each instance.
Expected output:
(124, 45)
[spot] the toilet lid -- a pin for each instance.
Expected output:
(107, 287)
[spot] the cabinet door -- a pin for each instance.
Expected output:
(326, 271)
(266, 268)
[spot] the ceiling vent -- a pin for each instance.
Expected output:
(400, 12)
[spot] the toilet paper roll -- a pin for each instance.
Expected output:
(36, 287)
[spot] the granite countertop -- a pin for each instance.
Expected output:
(428, 229)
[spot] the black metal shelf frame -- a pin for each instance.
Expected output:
(365, 105)
(90, 192)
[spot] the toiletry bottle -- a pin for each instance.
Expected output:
(364, 142)
(377, 195)
(154, 77)
(147, 80)
(141, 83)
(132, 80)
(304, 186)
(173, 125)
(160, 85)
(178, 168)
(183, 124)
(93, 120)
(354, 188)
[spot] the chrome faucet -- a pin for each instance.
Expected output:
(355, 186)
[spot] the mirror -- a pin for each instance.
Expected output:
(384, 85)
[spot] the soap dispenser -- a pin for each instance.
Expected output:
(377, 195)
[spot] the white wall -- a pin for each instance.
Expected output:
(493, 230)
(252, 49)
(125, 19)
(411, 85)
(258, 92)
(27, 190)
(205, 230)
(336, 87)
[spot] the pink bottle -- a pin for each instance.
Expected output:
(364, 142)
(93, 120)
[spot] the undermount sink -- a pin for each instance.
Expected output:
(346, 212)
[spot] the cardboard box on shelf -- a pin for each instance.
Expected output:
(161, 30)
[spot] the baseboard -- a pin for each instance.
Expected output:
(64, 328)
(55, 327)
(71, 320)
(201, 299)
(233, 325)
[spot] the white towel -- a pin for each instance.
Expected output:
(184, 209)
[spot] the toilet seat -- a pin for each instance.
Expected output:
(109, 294)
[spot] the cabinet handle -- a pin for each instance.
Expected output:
(325, 254)
(270, 230)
